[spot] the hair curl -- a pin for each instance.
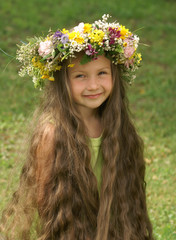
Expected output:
(58, 199)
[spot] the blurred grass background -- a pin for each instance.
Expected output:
(152, 96)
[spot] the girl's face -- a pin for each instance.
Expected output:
(91, 83)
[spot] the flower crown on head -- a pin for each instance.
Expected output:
(42, 56)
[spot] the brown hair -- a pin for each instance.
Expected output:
(58, 198)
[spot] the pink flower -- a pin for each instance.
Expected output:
(90, 51)
(128, 52)
(129, 62)
(45, 48)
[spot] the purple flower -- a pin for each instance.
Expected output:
(90, 51)
(64, 38)
(57, 34)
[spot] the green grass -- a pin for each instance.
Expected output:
(152, 97)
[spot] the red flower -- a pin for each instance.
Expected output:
(113, 34)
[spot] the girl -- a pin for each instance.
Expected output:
(84, 174)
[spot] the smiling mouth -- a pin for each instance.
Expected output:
(93, 95)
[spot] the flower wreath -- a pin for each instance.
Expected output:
(42, 56)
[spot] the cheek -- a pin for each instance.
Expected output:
(76, 88)
(108, 84)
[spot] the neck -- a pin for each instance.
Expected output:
(92, 121)
(93, 125)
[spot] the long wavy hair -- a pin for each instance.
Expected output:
(64, 202)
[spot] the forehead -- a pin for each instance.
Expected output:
(96, 64)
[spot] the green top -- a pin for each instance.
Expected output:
(96, 158)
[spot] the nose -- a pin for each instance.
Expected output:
(93, 83)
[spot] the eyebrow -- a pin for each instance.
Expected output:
(104, 68)
(82, 71)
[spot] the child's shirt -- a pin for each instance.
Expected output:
(96, 158)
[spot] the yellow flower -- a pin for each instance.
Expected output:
(120, 61)
(40, 65)
(97, 36)
(58, 68)
(44, 72)
(44, 76)
(132, 56)
(51, 78)
(124, 32)
(72, 35)
(79, 39)
(64, 31)
(139, 58)
(76, 36)
(71, 65)
(47, 38)
(34, 59)
(87, 27)
(37, 63)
